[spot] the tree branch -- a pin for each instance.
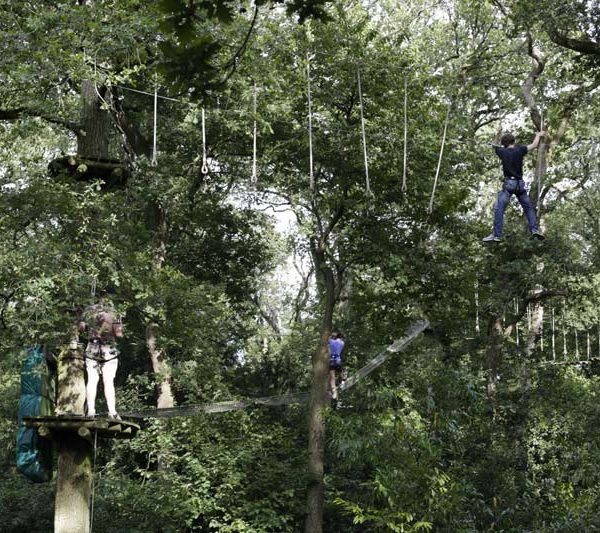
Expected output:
(578, 45)
(24, 112)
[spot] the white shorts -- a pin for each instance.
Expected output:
(101, 359)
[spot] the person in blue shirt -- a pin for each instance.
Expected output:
(336, 364)
(512, 155)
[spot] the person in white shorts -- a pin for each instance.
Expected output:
(103, 327)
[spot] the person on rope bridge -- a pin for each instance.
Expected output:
(103, 327)
(336, 365)
(511, 155)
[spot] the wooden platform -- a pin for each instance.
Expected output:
(49, 426)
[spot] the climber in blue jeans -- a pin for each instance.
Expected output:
(512, 155)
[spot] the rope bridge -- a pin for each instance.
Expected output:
(283, 399)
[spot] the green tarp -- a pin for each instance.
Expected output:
(34, 454)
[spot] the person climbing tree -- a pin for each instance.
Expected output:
(336, 366)
(512, 155)
(103, 327)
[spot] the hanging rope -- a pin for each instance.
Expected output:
(517, 324)
(254, 158)
(476, 285)
(362, 128)
(404, 186)
(93, 287)
(153, 162)
(439, 164)
(204, 168)
(553, 336)
(310, 143)
(564, 332)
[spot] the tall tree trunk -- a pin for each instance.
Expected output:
(319, 398)
(160, 366)
(74, 469)
(158, 356)
(93, 139)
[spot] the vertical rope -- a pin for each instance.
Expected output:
(310, 140)
(564, 332)
(553, 337)
(154, 162)
(576, 345)
(517, 324)
(477, 307)
(362, 127)
(93, 287)
(404, 186)
(204, 168)
(542, 335)
(439, 165)
(254, 157)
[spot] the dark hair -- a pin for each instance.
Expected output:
(507, 139)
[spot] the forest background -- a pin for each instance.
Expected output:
(488, 422)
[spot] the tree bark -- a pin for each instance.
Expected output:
(73, 484)
(319, 398)
(93, 138)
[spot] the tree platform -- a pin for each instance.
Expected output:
(50, 427)
(113, 171)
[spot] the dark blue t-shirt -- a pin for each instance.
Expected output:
(512, 160)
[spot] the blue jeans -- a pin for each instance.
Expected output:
(516, 187)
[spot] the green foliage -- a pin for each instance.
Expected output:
(417, 446)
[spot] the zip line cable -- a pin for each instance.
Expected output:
(284, 399)
(362, 128)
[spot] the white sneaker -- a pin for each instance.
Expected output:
(492, 238)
